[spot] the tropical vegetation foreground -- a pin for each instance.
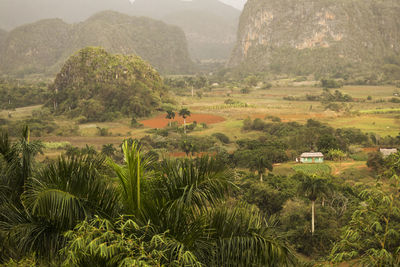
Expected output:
(112, 164)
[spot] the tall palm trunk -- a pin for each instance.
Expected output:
(184, 125)
(261, 177)
(312, 216)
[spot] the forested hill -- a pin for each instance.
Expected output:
(42, 47)
(210, 25)
(303, 37)
(96, 86)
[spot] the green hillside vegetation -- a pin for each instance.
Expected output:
(35, 47)
(99, 86)
(43, 47)
(17, 94)
(345, 39)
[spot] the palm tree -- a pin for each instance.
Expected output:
(259, 164)
(108, 150)
(184, 199)
(131, 176)
(313, 187)
(19, 158)
(184, 113)
(121, 242)
(245, 238)
(188, 147)
(170, 116)
(55, 200)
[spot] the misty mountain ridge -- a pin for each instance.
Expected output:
(42, 47)
(219, 19)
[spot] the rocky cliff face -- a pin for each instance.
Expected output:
(43, 47)
(306, 36)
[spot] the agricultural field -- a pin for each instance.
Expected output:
(223, 109)
(371, 112)
(313, 168)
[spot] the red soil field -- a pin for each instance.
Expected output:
(161, 122)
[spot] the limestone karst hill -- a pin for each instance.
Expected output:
(317, 36)
(95, 86)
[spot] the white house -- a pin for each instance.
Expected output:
(312, 157)
(386, 152)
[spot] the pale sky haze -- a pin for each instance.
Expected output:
(235, 3)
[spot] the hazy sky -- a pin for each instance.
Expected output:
(236, 3)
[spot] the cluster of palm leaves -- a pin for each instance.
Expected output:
(169, 213)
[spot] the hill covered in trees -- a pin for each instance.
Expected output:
(304, 37)
(42, 47)
(96, 86)
(214, 40)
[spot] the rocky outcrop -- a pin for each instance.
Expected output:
(306, 36)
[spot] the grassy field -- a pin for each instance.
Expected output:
(368, 115)
(313, 168)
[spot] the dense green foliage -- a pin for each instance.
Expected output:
(99, 86)
(168, 213)
(306, 137)
(372, 235)
(325, 97)
(17, 94)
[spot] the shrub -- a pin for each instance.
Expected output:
(103, 131)
(222, 137)
(245, 91)
(329, 83)
(267, 86)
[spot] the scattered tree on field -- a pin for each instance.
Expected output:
(184, 113)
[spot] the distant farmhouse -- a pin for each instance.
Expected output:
(386, 152)
(312, 157)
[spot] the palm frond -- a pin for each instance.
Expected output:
(244, 238)
(195, 184)
(132, 176)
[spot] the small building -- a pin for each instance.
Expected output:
(312, 157)
(386, 152)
